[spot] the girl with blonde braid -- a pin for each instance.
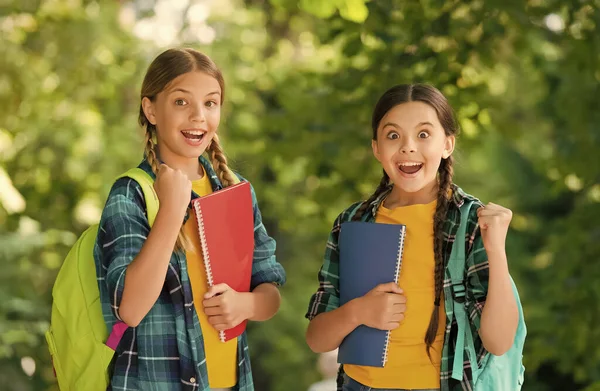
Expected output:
(153, 279)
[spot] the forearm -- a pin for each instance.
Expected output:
(145, 276)
(265, 300)
(327, 330)
(500, 315)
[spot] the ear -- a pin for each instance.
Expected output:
(148, 108)
(375, 148)
(449, 146)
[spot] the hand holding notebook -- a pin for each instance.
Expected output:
(226, 307)
(383, 307)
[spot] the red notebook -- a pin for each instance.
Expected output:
(226, 230)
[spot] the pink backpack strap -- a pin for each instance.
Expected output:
(116, 334)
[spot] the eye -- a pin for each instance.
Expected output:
(211, 103)
(180, 102)
(423, 134)
(393, 135)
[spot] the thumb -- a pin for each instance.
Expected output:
(390, 287)
(216, 290)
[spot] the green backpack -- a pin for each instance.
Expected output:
(78, 339)
(496, 373)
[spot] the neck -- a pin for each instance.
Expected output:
(399, 197)
(189, 166)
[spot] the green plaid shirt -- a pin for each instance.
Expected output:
(327, 297)
(166, 350)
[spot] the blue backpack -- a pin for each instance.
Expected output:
(496, 373)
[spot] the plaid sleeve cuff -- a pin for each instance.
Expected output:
(321, 302)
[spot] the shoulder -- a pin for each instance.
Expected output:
(252, 191)
(461, 198)
(125, 197)
(240, 177)
(347, 215)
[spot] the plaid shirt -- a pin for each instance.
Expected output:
(327, 297)
(166, 350)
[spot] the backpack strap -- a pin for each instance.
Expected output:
(456, 267)
(147, 184)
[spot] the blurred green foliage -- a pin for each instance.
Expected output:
(302, 79)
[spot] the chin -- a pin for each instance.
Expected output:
(413, 185)
(408, 189)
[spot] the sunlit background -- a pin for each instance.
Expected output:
(302, 79)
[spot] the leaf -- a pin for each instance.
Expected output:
(354, 10)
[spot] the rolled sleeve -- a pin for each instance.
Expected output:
(327, 296)
(122, 233)
(477, 278)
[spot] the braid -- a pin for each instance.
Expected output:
(383, 184)
(182, 242)
(219, 162)
(151, 151)
(445, 182)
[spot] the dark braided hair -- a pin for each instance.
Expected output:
(434, 98)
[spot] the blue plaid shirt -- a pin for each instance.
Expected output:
(166, 350)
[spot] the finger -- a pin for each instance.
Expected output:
(212, 302)
(216, 290)
(390, 287)
(492, 212)
(489, 220)
(391, 325)
(397, 318)
(213, 311)
(398, 309)
(398, 299)
(215, 320)
(396, 289)
(162, 167)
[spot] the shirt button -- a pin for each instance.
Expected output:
(193, 380)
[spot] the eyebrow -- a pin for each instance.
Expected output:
(399, 127)
(188, 92)
(391, 124)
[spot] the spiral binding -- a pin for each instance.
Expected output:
(396, 278)
(203, 244)
(205, 254)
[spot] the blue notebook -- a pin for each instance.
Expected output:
(370, 254)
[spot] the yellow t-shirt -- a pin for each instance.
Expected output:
(408, 365)
(221, 358)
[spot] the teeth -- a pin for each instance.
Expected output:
(194, 132)
(410, 164)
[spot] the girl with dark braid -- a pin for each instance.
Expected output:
(414, 134)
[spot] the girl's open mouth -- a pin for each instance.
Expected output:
(410, 168)
(193, 137)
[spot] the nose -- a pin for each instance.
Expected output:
(407, 146)
(198, 113)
